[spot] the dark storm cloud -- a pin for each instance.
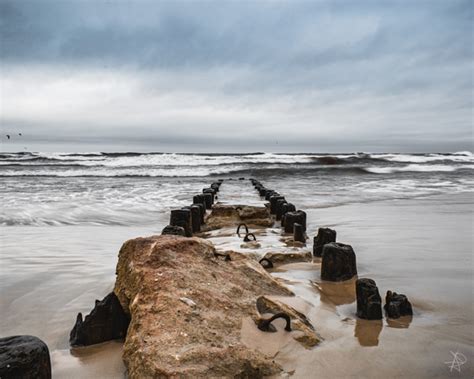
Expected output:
(366, 69)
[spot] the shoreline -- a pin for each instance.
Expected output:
(457, 332)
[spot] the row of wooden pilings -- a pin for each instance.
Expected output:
(188, 220)
(338, 261)
(292, 220)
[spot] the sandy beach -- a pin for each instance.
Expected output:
(404, 245)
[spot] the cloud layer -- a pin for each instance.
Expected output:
(229, 76)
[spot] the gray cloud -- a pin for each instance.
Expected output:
(322, 75)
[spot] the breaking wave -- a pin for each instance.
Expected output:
(187, 165)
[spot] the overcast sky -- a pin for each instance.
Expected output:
(237, 76)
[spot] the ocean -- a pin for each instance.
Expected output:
(64, 217)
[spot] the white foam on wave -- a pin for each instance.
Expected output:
(134, 203)
(164, 159)
(416, 168)
(143, 171)
(460, 157)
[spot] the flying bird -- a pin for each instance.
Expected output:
(20, 134)
(8, 136)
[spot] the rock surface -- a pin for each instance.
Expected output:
(369, 302)
(172, 229)
(308, 336)
(338, 263)
(187, 305)
(24, 357)
(106, 322)
(397, 305)
(225, 215)
(285, 258)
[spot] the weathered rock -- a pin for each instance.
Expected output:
(298, 233)
(369, 302)
(294, 217)
(24, 357)
(106, 322)
(232, 215)
(173, 229)
(182, 217)
(250, 245)
(200, 336)
(325, 235)
(262, 191)
(285, 258)
(397, 305)
(307, 338)
(338, 262)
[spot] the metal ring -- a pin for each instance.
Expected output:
(246, 229)
(247, 239)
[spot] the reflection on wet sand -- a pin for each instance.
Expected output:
(97, 361)
(368, 331)
(337, 293)
(400, 323)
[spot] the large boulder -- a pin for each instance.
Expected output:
(397, 305)
(107, 321)
(187, 304)
(338, 262)
(369, 302)
(325, 235)
(24, 357)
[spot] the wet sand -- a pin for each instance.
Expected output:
(420, 247)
